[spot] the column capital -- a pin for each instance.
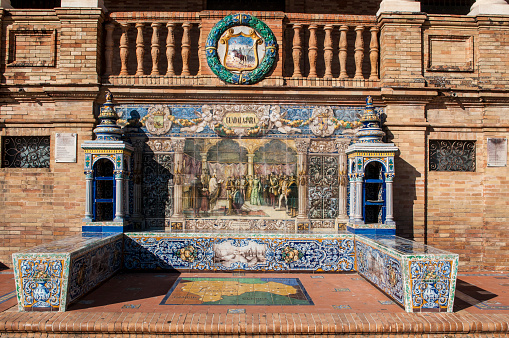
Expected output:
(178, 144)
(302, 145)
(342, 144)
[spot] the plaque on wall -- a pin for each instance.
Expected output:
(65, 147)
(497, 152)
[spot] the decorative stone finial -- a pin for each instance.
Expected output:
(108, 130)
(371, 131)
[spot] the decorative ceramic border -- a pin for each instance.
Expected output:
(246, 77)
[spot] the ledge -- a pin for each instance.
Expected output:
(126, 323)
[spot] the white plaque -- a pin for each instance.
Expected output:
(497, 152)
(65, 147)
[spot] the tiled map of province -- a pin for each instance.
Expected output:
(237, 291)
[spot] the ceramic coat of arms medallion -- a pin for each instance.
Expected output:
(241, 49)
(158, 120)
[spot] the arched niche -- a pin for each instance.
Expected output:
(104, 185)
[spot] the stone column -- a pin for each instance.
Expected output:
(342, 145)
(489, 7)
(89, 182)
(178, 148)
(399, 6)
(119, 197)
(352, 197)
(302, 150)
(250, 164)
(358, 199)
(389, 217)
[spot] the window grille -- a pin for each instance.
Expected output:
(25, 151)
(447, 155)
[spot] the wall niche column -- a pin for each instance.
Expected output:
(342, 145)
(178, 172)
(302, 146)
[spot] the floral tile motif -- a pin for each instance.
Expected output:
(259, 254)
(41, 283)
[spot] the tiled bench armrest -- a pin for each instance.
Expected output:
(51, 276)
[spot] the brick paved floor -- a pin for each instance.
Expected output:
(342, 303)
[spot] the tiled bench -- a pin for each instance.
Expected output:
(51, 276)
(418, 277)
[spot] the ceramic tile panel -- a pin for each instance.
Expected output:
(46, 277)
(426, 277)
(41, 281)
(89, 268)
(381, 268)
(261, 252)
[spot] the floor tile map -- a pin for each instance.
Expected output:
(237, 291)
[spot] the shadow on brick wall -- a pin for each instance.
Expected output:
(405, 197)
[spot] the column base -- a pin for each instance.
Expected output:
(302, 225)
(341, 223)
(372, 229)
(106, 227)
(175, 225)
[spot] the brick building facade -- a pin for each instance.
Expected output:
(437, 77)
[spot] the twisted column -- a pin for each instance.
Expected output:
(343, 46)
(124, 49)
(312, 50)
(186, 49)
(373, 53)
(170, 48)
(359, 52)
(296, 50)
(140, 51)
(327, 51)
(155, 48)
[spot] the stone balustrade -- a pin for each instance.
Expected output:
(157, 48)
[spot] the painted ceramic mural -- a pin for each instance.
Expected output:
(256, 253)
(231, 178)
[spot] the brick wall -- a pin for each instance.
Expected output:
(42, 204)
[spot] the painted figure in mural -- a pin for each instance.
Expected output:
(249, 187)
(266, 188)
(195, 195)
(255, 191)
(238, 198)
(293, 196)
(283, 191)
(214, 191)
(230, 190)
(205, 200)
(242, 183)
(273, 182)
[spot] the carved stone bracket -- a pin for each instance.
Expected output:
(318, 146)
(302, 145)
(160, 145)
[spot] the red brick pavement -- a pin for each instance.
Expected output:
(128, 305)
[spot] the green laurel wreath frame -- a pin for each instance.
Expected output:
(245, 77)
